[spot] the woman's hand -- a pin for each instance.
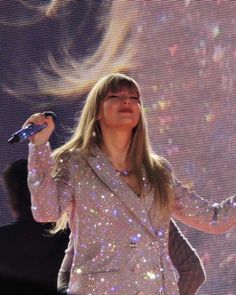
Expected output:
(43, 135)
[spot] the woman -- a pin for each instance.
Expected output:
(117, 195)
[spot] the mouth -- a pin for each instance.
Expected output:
(129, 111)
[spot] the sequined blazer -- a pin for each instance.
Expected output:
(119, 247)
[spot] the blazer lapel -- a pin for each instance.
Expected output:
(103, 168)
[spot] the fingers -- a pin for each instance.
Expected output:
(42, 136)
(37, 118)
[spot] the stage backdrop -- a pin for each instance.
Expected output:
(182, 53)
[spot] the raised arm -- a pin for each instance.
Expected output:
(198, 213)
(49, 197)
(186, 261)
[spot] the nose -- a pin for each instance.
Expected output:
(125, 100)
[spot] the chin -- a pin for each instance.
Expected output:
(128, 125)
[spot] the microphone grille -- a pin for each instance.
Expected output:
(50, 113)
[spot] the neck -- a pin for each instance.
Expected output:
(116, 146)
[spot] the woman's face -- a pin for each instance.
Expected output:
(120, 109)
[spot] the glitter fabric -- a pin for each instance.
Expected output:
(119, 248)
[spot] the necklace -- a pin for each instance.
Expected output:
(124, 172)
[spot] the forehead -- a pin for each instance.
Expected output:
(124, 89)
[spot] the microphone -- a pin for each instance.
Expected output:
(29, 130)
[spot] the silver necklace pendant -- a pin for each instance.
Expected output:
(124, 172)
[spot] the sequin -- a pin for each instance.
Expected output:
(118, 248)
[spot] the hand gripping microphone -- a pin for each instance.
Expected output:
(29, 130)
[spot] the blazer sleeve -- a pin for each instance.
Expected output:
(50, 196)
(186, 261)
(197, 212)
(65, 269)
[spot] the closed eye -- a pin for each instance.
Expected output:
(135, 98)
(113, 97)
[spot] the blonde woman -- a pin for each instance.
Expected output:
(117, 196)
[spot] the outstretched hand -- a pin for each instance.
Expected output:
(42, 136)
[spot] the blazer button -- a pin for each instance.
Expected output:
(133, 245)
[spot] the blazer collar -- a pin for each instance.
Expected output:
(137, 207)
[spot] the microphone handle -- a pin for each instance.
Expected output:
(25, 133)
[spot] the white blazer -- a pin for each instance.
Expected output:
(119, 248)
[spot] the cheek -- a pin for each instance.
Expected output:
(106, 111)
(138, 111)
(109, 108)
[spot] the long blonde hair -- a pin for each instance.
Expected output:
(87, 134)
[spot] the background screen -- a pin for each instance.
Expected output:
(183, 55)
